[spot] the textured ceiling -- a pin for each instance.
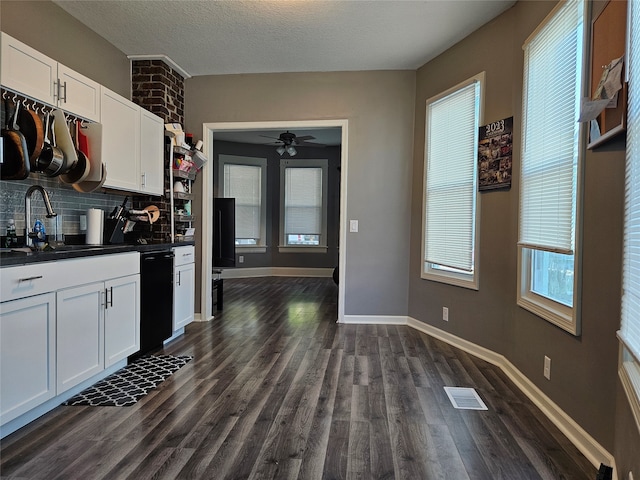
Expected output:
(215, 37)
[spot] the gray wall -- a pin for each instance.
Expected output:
(379, 108)
(272, 257)
(584, 368)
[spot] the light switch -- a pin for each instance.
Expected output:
(353, 225)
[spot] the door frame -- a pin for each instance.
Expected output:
(208, 132)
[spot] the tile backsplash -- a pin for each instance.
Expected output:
(65, 201)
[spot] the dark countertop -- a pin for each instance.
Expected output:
(13, 258)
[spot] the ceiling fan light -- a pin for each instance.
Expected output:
(291, 150)
(280, 150)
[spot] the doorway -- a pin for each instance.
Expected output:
(209, 134)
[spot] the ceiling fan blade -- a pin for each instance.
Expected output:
(304, 137)
(266, 136)
(310, 144)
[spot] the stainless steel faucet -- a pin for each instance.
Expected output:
(27, 210)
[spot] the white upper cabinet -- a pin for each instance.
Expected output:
(151, 153)
(27, 71)
(78, 94)
(132, 143)
(120, 120)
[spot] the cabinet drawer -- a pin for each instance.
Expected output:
(28, 280)
(36, 278)
(184, 255)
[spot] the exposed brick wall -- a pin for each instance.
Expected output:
(160, 89)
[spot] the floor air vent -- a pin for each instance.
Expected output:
(465, 398)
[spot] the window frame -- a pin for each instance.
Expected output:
(322, 163)
(629, 358)
(567, 318)
(225, 159)
(436, 272)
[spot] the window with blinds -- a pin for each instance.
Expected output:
(244, 178)
(450, 184)
(629, 332)
(551, 149)
(304, 203)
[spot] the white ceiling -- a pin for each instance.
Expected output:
(214, 37)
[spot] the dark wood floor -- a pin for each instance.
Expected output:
(278, 390)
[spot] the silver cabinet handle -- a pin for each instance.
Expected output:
(64, 99)
(28, 279)
(144, 179)
(108, 302)
(179, 278)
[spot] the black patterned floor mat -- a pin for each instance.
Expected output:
(129, 384)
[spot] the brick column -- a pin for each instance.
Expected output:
(160, 89)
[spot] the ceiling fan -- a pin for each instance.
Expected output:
(286, 142)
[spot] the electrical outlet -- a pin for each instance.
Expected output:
(445, 314)
(240, 258)
(547, 368)
(353, 226)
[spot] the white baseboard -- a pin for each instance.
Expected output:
(276, 272)
(374, 320)
(198, 317)
(588, 446)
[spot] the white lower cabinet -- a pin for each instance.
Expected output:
(52, 341)
(184, 286)
(80, 313)
(122, 319)
(27, 354)
(183, 295)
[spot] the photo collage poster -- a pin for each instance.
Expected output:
(495, 151)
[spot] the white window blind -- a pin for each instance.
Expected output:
(551, 93)
(630, 328)
(303, 201)
(450, 194)
(243, 182)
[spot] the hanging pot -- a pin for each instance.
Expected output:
(51, 159)
(31, 127)
(15, 162)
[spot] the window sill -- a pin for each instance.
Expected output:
(563, 318)
(251, 248)
(302, 249)
(451, 278)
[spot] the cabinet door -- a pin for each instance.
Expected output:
(151, 153)
(27, 71)
(183, 295)
(80, 327)
(120, 120)
(27, 354)
(122, 319)
(79, 94)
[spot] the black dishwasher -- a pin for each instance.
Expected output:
(156, 299)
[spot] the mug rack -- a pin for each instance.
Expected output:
(38, 106)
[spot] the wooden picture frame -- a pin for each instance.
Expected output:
(608, 42)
